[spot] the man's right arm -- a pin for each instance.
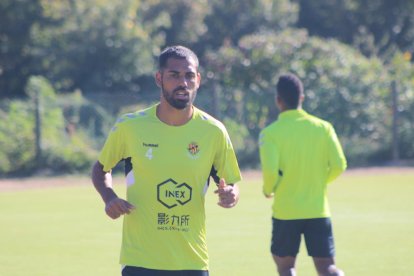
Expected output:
(114, 206)
(269, 159)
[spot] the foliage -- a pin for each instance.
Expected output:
(98, 56)
(375, 27)
(82, 115)
(16, 137)
(95, 48)
(342, 86)
(61, 152)
(228, 21)
(51, 116)
(242, 143)
(402, 71)
(174, 22)
(16, 21)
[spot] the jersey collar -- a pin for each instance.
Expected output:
(292, 114)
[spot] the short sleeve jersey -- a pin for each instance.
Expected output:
(171, 168)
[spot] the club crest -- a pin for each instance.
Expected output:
(193, 149)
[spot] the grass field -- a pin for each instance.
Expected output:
(62, 230)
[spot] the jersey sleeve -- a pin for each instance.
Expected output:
(225, 162)
(269, 158)
(113, 150)
(337, 161)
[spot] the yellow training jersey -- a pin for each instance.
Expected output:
(300, 154)
(171, 166)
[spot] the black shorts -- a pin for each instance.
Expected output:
(286, 237)
(140, 271)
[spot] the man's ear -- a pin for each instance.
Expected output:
(279, 103)
(278, 100)
(301, 98)
(158, 79)
(198, 80)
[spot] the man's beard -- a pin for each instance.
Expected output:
(177, 103)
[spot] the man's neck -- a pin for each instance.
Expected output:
(172, 116)
(288, 109)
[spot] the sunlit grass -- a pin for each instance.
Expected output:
(64, 231)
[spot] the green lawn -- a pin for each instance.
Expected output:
(64, 231)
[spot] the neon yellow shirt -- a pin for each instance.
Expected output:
(171, 167)
(300, 154)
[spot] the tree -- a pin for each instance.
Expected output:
(228, 21)
(207, 24)
(99, 47)
(402, 94)
(375, 27)
(342, 86)
(16, 21)
(388, 24)
(174, 22)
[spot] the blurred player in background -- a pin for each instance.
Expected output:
(300, 154)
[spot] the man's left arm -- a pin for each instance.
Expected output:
(337, 161)
(226, 168)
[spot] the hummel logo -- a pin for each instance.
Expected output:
(150, 145)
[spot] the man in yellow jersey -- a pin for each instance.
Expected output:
(171, 150)
(300, 154)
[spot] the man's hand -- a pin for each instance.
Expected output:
(228, 194)
(117, 207)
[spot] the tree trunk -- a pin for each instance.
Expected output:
(38, 127)
(395, 144)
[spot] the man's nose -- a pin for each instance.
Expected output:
(183, 81)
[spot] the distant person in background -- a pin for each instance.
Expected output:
(171, 150)
(300, 154)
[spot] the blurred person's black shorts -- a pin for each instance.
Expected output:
(286, 237)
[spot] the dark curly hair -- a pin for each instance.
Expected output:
(289, 88)
(177, 51)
